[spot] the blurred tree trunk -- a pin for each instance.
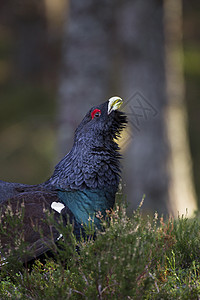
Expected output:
(30, 30)
(141, 36)
(37, 34)
(119, 48)
(87, 56)
(181, 189)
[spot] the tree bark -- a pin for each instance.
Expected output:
(182, 194)
(31, 38)
(87, 56)
(141, 36)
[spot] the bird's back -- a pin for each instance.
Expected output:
(10, 190)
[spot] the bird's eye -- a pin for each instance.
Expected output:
(95, 113)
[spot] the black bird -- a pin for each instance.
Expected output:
(84, 182)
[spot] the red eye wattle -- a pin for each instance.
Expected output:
(95, 113)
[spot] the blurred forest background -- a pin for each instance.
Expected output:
(34, 36)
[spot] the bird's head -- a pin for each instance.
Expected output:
(93, 161)
(102, 123)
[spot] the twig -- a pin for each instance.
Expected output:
(153, 277)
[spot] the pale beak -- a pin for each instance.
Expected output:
(114, 103)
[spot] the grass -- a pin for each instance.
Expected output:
(134, 258)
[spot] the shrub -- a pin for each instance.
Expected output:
(132, 258)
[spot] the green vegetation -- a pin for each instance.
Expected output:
(134, 258)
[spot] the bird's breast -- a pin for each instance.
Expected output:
(87, 204)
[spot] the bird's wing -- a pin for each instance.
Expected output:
(33, 207)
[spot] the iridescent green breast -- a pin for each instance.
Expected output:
(86, 205)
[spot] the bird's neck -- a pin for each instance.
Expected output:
(88, 167)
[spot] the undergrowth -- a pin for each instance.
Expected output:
(133, 258)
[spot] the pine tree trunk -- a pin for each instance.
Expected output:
(181, 188)
(87, 56)
(141, 36)
(31, 37)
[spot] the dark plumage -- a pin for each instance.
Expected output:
(84, 181)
